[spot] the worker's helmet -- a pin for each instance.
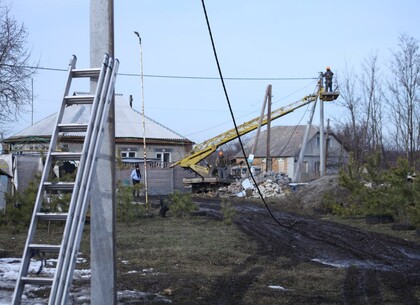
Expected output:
(328, 68)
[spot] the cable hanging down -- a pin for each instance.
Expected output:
(234, 121)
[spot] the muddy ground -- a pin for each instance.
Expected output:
(279, 258)
(375, 264)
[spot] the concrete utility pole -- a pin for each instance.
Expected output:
(102, 207)
(268, 165)
(298, 169)
(257, 136)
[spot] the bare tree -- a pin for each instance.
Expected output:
(372, 103)
(351, 127)
(15, 73)
(404, 88)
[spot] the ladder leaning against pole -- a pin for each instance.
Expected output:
(75, 192)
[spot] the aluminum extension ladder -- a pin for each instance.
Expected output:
(74, 217)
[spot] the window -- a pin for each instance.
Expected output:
(128, 154)
(317, 166)
(164, 156)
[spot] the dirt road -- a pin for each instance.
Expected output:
(376, 265)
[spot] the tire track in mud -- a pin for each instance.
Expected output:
(375, 263)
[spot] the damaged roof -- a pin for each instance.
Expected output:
(128, 124)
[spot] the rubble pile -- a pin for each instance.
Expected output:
(271, 184)
(268, 189)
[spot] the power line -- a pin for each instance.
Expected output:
(226, 78)
(183, 76)
(234, 121)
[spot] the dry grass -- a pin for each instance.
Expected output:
(202, 261)
(195, 259)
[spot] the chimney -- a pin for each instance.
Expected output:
(131, 101)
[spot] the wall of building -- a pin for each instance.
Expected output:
(336, 157)
(160, 180)
(4, 189)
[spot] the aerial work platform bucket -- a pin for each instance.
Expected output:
(329, 96)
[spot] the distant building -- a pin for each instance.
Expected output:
(162, 142)
(163, 145)
(285, 145)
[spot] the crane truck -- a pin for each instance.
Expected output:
(191, 161)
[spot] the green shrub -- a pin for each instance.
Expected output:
(229, 212)
(20, 205)
(377, 191)
(351, 179)
(182, 204)
(414, 215)
(127, 211)
(331, 205)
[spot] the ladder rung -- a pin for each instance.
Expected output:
(79, 99)
(37, 280)
(72, 127)
(86, 72)
(45, 248)
(64, 156)
(59, 186)
(52, 216)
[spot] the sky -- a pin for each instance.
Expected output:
(282, 43)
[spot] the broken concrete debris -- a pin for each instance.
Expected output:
(270, 184)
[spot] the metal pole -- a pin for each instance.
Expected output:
(321, 138)
(32, 97)
(144, 123)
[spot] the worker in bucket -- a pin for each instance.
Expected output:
(328, 76)
(221, 164)
(135, 178)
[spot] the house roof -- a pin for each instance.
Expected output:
(128, 124)
(285, 141)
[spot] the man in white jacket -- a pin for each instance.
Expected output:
(135, 178)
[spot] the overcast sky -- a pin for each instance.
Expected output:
(254, 39)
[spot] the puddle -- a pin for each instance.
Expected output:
(410, 255)
(346, 263)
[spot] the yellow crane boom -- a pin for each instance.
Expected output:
(206, 148)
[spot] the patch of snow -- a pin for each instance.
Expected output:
(9, 270)
(277, 287)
